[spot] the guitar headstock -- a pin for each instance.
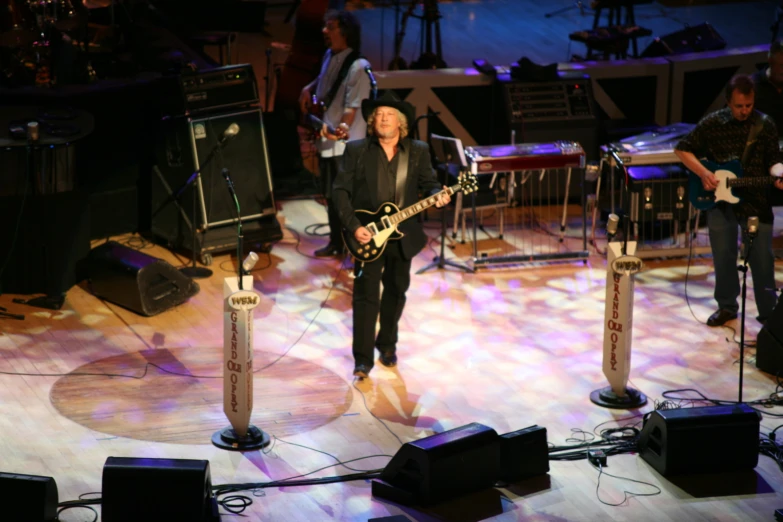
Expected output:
(468, 182)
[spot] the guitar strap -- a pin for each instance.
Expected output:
(752, 135)
(402, 174)
(352, 57)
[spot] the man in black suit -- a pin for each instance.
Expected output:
(387, 166)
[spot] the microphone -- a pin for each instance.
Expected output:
(611, 226)
(249, 262)
(368, 70)
(230, 132)
(227, 176)
(753, 226)
(613, 149)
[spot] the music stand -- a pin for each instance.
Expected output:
(448, 152)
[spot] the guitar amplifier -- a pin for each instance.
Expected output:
(546, 111)
(659, 204)
(204, 91)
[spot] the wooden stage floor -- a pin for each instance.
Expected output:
(507, 348)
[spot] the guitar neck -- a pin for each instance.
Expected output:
(317, 124)
(422, 205)
(758, 181)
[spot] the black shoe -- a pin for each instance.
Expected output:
(362, 371)
(388, 358)
(330, 250)
(721, 317)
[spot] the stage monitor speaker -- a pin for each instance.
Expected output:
(711, 439)
(139, 282)
(171, 490)
(28, 498)
(523, 453)
(769, 343)
(693, 39)
(442, 466)
(184, 147)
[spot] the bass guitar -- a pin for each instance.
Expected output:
(383, 223)
(729, 177)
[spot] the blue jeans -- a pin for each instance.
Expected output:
(723, 227)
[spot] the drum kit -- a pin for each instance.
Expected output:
(31, 29)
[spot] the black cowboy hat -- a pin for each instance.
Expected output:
(389, 99)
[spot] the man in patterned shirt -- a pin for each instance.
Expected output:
(721, 137)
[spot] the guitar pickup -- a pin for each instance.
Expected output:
(373, 228)
(386, 222)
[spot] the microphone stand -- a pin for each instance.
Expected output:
(445, 159)
(440, 261)
(744, 269)
(240, 237)
(193, 271)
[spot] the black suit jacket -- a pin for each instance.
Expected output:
(356, 187)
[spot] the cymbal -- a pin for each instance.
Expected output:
(96, 4)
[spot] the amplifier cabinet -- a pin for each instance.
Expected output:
(184, 147)
(211, 90)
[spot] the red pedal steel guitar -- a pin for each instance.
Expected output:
(382, 223)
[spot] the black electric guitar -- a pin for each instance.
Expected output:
(383, 223)
(729, 176)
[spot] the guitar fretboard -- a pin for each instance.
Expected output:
(758, 181)
(422, 205)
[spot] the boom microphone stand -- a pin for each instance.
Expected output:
(753, 229)
(194, 271)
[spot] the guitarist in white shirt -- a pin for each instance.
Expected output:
(737, 132)
(341, 86)
(387, 166)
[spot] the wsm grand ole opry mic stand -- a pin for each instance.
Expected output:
(239, 300)
(621, 265)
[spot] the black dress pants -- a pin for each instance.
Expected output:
(394, 272)
(328, 170)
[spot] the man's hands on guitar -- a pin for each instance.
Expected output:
(362, 235)
(443, 199)
(709, 181)
(340, 133)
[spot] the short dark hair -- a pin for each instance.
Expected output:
(741, 83)
(776, 47)
(349, 26)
